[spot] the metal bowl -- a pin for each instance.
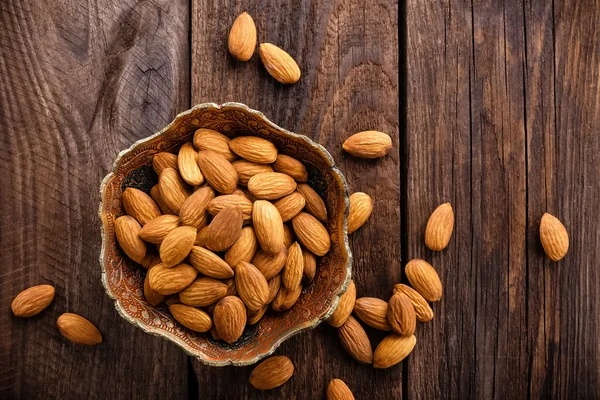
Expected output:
(124, 280)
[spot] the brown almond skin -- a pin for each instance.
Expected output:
(254, 149)
(285, 299)
(288, 236)
(78, 330)
(152, 296)
(242, 37)
(271, 185)
(156, 230)
(176, 245)
(127, 230)
(32, 301)
(202, 236)
(424, 279)
(163, 160)
(554, 237)
(290, 205)
(209, 263)
(188, 166)
(279, 64)
(173, 189)
(231, 288)
(203, 292)
(271, 373)
(229, 318)
(368, 144)
(251, 285)
(243, 249)
(344, 308)
(311, 233)
(207, 139)
(274, 285)
(169, 280)
(401, 314)
(439, 227)
(191, 317)
(290, 166)
(291, 276)
(217, 204)
(355, 341)
(423, 311)
(156, 196)
(140, 206)
(268, 226)
(361, 207)
(314, 203)
(193, 210)
(373, 312)
(217, 171)
(247, 169)
(270, 265)
(225, 228)
(310, 265)
(338, 390)
(254, 316)
(392, 350)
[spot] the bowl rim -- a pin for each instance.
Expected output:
(304, 327)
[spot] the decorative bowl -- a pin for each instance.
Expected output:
(124, 280)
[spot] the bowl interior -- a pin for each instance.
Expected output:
(124, 279)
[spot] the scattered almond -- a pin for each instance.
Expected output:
(220, 202)
(202, 236)
(247, 169)
(32, 301)
(151, 295)
(439, 227)
(209, 264)
(361, 207)
(217, 171)
(127, 230)
(290, 166)
(254, 149)
(78, 329)
(172, 189)
(203, 292)
(288, 236)
(190, 317)
(279, 64)
(368, 144)
(193, 209)
(310, 265)
(255, 315)
(290, 206)
(169, 280)
(355, 341)
(229, 318)
(373, 312)
(424, 279)
(271, 185)
(207, 139)
(401, 314)
(291, 277)
(156, 230)
(338, 390)
(274, 285)
(392, 350)
(243, 249)
(163, 160)
(285, 298)
(345, 307)
(156, 196)
(188, 165)
(268, 226)
(423, 311)
(270, 265)
(176, 245)
(311, 233)
(554, 237)
(225, 228)
(140, 206)
(251, 285)
(314, 203)
(242, 37)
(271, 373)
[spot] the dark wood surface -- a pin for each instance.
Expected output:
(491, 105)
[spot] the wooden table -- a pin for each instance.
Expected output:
(493, 106)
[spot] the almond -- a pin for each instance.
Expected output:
(242, 37)
(155, 194)
(268, 226)
(554, 237)
(207, 139)
(140, 206)
(163, 160)
(169, 280)
(314, 203)
(188, 165)
(231, 288)
(361, 207)
(209, 264)
(355, 341)
(401, 314)
(423, 311)
(251, 285)
(345, 307)
(270, 265)
(310, 265)
(190, 317)
(225, 228)
(230, 318)
(286, 298)
(255, 315)
(392, 350)
(176, 245)
(271, 373)
(217, 171)
(311, 233)
(338, 390)
(288, 236)
(424, 279)
(243, 249)
(220, 202)
(239, 192)
(271, 185)
(151, 295)
(193, 209)
(173, 189)
(373, 312)
(290, 166)
(156, 230)
(247, 169)
(254, 149)
(294, 267)
(274, 285)
(32, 301)
(127, 230)
(78, 329)
(203, 292)
(214, 334)
(290, 206)
(368, 144)
(279, 64)
(202, 236)
(439, 227)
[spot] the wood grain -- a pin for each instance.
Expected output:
(78, 83)
(348, 54)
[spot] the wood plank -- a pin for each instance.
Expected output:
(79, 82)
(348, 53)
